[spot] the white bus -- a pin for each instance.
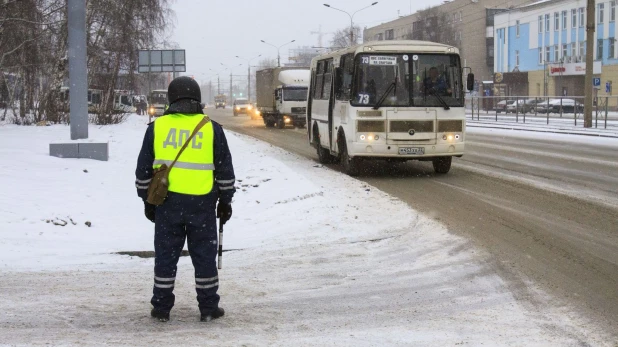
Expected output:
(157, 102)
(395, 100)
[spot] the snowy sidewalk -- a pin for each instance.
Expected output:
(319, 259)
(566, 125)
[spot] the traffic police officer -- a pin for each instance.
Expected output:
(202, 176)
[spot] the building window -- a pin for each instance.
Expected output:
(516, 58)
(460, 16)
(556, 21)
(389, 34)
(573, 49)
(600, 49)
(582, 16)
(517, 28)
(564, 19)
(582, 49)
(379, 37)
(573, 18)
(612, 47)
(547, 54)
(540, 24)
(556, 53)
(547, 23)
(540, 55)
(612, 11)
(601, 13)
(564, 51)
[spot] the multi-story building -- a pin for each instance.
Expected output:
(465, 24)
(545, 44)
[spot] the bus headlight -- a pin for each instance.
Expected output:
(152, 110)
(451, 137)
(249, 107)
(369, 137)
(237, 108)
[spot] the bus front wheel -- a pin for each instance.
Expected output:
(351, 165)
(442, 165)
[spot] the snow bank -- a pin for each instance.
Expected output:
(320, 259)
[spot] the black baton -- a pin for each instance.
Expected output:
(220, 244)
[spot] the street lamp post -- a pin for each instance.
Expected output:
(230, 77)
(249, 75)
(278, 48)
(352, 42)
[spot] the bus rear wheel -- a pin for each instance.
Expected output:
(324, 156)
(442, 165)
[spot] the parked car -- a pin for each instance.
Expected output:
(554, 106)
(515, 106)
(529, 105)
(501, 105)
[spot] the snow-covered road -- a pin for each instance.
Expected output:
(321, 259)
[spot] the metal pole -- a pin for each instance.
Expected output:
(218, 85)
(249, 81)
(590, 24)
(517, 109)
(220, 245)
(351, 31)
(78, 72)
(278, 58)
(230, 83)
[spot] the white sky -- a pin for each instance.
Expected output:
(216, 31)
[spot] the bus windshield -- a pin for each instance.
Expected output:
(158, 98)
(408, 80)
(295, 94)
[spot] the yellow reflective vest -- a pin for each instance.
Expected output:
(193, 173)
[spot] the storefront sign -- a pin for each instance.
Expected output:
(572, 69)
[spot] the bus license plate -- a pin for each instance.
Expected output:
(411, 150)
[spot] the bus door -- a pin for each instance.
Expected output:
(342, 92)
(321, 107)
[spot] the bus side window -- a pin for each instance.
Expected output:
(344, 77)
(319, 79)
(328, 79)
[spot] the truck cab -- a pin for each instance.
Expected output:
(282, 96)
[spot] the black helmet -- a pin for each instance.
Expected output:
(183, 87)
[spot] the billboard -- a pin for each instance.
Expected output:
(163, 60)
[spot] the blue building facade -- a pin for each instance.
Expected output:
(540, 48)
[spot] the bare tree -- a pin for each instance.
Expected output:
(267, 63)
(435, 25)
(342, 38)
(33, 52)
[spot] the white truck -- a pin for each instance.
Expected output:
(282, 96)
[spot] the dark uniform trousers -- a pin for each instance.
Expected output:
(193, 218)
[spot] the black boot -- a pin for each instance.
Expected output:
(160, 315)
(207, 317)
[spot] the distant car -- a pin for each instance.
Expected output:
(502, 105)
(242, 106)
(255, 113)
